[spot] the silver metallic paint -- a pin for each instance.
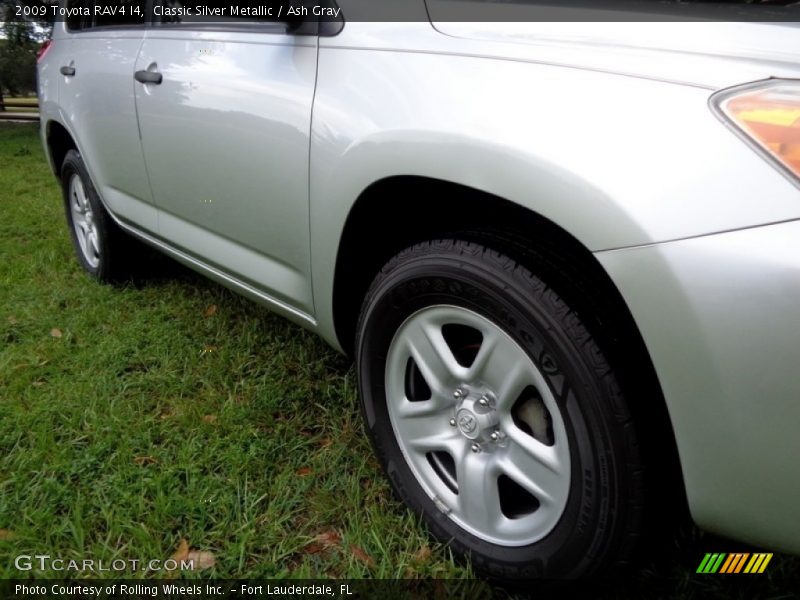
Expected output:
(720, 317)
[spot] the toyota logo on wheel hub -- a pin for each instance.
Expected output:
(467, 422)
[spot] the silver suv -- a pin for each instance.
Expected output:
(565, 256)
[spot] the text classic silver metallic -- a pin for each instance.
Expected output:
(565, 256)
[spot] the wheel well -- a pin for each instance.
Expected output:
(59, 142)
(397, 212)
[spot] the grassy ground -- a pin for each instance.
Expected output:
(170, 416)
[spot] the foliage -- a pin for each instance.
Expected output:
(18, 49)
(17, 61)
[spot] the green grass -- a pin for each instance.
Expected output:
(133, 418)
(148, 422)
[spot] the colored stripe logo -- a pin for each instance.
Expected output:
(737, 562)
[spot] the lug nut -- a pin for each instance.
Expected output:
(484, 401)
(495, 436)
(458, 393)
(452, 422)
(476, 448)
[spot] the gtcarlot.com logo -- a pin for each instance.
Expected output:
(741, 562)
(45, 562)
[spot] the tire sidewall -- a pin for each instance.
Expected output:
(576, 544)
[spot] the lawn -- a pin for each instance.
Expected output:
(168, 415)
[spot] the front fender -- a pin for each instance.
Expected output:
(616, 161)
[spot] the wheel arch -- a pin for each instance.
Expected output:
(386, 219)
(59, 142)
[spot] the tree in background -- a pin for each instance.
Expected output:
(18, 49)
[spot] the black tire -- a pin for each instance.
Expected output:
(600, 523)
(111, 261)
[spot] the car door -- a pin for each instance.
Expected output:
(96, 96)
(225, 113)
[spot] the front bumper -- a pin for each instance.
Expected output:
(720, 316)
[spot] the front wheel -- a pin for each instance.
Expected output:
(496, 416)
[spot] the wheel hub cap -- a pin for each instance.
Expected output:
(478, 425)
(476, 421)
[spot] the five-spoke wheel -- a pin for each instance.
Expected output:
(83, 223)
(478, 425)
(496, 415)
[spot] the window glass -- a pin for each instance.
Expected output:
(77, 19)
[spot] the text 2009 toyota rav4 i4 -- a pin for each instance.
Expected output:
(565, 256)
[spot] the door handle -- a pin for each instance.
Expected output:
(67, 71)
(148, 77)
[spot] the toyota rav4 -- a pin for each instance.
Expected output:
(564, 256)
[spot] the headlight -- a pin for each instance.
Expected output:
(766, 113)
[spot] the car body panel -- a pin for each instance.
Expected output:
(720, 318)
(48, 80)
(427, 118)
(99, 103)
(704, 54)
(226, 139)
(548, 148)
